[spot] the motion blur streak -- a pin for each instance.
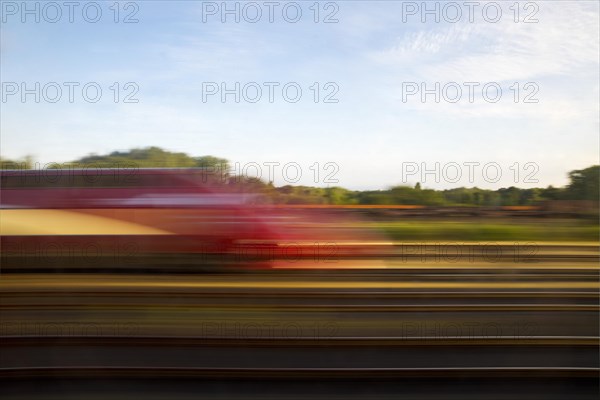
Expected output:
(55, 222)
(173, 285)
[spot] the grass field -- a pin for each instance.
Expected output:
(472, 230)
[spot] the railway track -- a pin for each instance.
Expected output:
(405, 329)
(537, 352)
(339, 256)
(314, 384)
(380, 368)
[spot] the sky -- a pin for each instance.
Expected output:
(390, 93)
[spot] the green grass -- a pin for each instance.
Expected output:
(495, 231)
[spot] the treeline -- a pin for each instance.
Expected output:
(582, 187)
(583, 184)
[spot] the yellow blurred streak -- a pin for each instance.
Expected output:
(433, 265)
(59, 222)
(9, 282)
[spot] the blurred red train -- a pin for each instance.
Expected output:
(89, 217)
(81, 219)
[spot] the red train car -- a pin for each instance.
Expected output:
(84, 218)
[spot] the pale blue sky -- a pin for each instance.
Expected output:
(369, 53)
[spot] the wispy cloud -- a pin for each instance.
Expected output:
(563, 46)
(564, 39)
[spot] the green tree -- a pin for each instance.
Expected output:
(584, 184)
(25, 163)
(339, 196)
(552, 193)
(152, 157)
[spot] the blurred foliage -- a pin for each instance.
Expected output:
(26, 163)
(584, 184)
(152, 157)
